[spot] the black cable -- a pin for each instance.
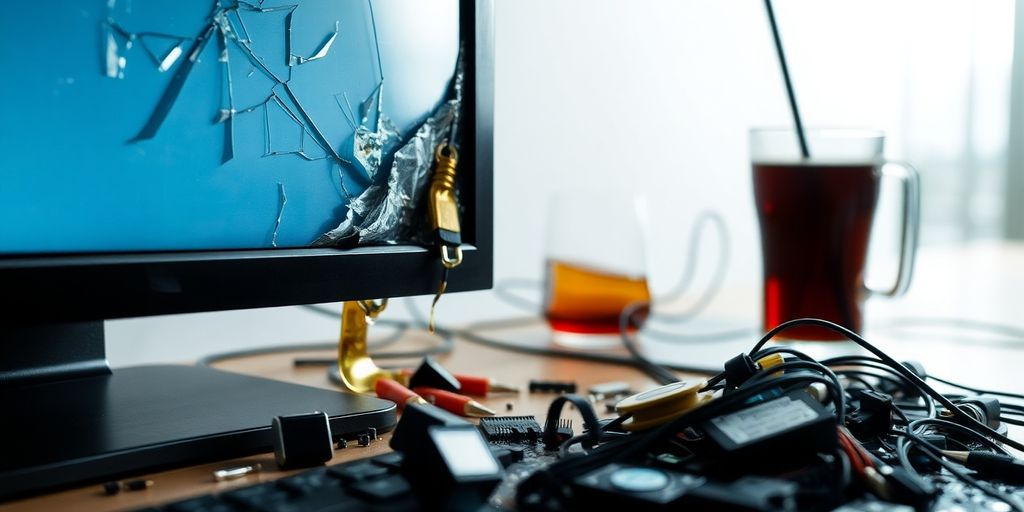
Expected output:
(503, 287)
(935, 454)
(627, 320)
(467, 333)
(835, 387)
(1010, 421)
(878, 364)
(857, 380)
(553, 476)
(844, 470)
(956, 427)
(211, 359)
(862, 373)
(446, 346)
(909, 375)
(977, 390)
(399, 325)
(704, 218)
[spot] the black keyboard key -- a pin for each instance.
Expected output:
(388, 488)
(358, 471)
(328, 499)
(306, 482)
(201, 504)
(263, 497)
(391, 460)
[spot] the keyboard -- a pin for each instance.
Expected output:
(371, 484)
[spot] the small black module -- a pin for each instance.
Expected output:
(511, 429)
(780, 431)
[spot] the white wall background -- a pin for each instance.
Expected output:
(656, 97)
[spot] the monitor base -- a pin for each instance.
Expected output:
(59, 433)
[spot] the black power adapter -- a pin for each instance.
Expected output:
(776, 433)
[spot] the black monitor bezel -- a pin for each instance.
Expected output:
(55, 288)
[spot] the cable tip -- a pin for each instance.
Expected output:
(955, 455)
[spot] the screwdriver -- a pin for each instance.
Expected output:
(454, 402)
(472, 384)
(482, 386)
(392, 390)
(1004, 467)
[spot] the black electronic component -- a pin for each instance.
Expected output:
(363, 439)
(607, 390)
(562, 434)
(778, 432)
(342, 444)
(302, 440)
(552, 386)
(430, 374)
(416, 418)
(138, 484)
(747, 494)
(908, 489)
(648, 488)
(918, 457)
(511, 429)
(508, 455)
(453, 469)
(874, 416)
(372, 432)
(985, 409)
(618, 486)
(738, 370)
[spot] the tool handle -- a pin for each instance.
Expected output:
(391, 390)
(451, 402)
(472, 385)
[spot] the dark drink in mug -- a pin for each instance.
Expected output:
(815, 217)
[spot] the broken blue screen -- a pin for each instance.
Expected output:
(141, 125)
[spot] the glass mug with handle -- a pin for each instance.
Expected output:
(815, 216)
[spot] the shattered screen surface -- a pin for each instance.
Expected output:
(143, 125)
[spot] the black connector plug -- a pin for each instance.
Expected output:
(907, 489)
(738, 370)
(874, 416)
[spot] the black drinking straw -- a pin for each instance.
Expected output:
(789, 84)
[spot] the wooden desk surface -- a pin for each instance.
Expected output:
(502, 366)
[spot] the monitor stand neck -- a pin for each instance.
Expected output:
(51, 352)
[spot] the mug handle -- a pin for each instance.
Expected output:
(911, 199)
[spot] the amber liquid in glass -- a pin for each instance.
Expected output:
(587, 300)
(815, 224)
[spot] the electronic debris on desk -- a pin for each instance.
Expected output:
(775, 431)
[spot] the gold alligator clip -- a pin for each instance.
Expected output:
(355, 366)
(444, 206)
(444, 209)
